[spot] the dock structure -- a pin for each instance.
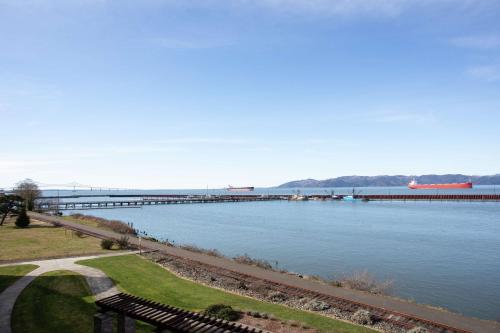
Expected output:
(149, 201)
(430, 197)
(137, 201)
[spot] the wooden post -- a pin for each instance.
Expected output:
(125, 324)
(103, 323)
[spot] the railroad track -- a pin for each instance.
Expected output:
(401, 320)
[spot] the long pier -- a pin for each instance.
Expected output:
(150, 201)
(137, 201)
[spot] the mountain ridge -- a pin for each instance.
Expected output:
(395, 180)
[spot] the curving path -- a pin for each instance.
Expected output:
(99, 283)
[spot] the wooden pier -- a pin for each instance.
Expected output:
(137, 201)
(149, 201)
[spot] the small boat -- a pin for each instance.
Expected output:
(298, 197)
(240, 189)
(352, 197)
(415, 186)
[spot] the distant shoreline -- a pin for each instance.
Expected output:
(388, 181)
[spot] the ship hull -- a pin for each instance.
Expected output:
(439, 186)
(240, 189)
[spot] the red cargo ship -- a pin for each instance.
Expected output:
(414, 186)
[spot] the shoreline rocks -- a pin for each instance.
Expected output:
(263, 291)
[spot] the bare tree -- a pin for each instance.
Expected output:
(29, 191)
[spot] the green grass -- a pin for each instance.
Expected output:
(143, 278)
(10, 274)
(44, 241)
(58, 301)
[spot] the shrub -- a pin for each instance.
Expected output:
(222, 311)
(335, 283)
(194, 248)
(214, 253)
(151, 239)
(228, 314)
(247, 260)
(362, 317)
(23, 220)
(256, 314)
(316, 305)
(107, 244)
(79, 234)
(277, 296)
(260, 287)
(114, 225)
(364, 281)
(123, 242)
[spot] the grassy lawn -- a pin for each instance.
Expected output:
(57, 302)
(40, 241)
(143, 278)
(10, 274)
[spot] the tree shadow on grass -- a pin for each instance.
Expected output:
(7, 280)
(34, 226)
(58, 301)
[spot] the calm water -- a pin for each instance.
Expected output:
(441, 253)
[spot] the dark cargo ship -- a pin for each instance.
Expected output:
(240, 189)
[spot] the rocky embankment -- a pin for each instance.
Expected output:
(265, 291)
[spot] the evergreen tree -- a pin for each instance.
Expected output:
(23, 220)
(9, 204)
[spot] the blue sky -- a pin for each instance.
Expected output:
(185, 94)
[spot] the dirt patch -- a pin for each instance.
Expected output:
(276, 326)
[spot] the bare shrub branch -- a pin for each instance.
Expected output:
(365, 281)
(115, 225)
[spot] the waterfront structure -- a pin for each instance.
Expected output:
(415, 186)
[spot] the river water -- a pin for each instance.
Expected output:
(446, 254)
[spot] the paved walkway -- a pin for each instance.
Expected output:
(421, 311)
(100, 285)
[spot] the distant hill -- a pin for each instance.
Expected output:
(398, 180)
